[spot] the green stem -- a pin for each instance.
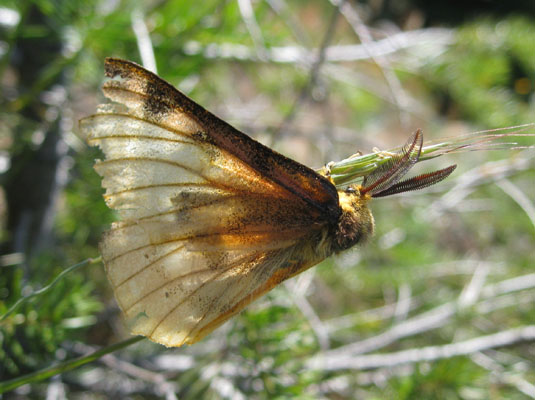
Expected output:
(65, 366)
(355, 167)
(45, 289)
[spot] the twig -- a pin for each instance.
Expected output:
(507, 300)
(472, 291)
(429, 320)
(430, 353)
(144, 43)
(424, 322)
(461, 267)
(174, 362)
(223, 386)
(55, 390)
(522, 385)
(516, 284)
(247, 13)
(319, 328)
(366, 82)
(375, 314)
(379, 377)
(361, 30)
(403, 305)
(45, 289)
(313, 77)
(434, 38)
(10, 259)
(517, 195)
(281, 8)
(468, 181)
(490, 364)
(160, 381)
(298, 289)
(65, 366)
(438, 270)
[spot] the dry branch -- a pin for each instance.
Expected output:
(423, 322)
(430, 353)
(432, 39)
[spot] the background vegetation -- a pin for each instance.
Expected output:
(440, 304)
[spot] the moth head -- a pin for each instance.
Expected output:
(356, 221)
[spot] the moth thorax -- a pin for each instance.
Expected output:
(356, 220)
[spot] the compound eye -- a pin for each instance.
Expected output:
(350, 189)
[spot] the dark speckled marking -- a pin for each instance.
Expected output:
(153, 106)
(202, 137)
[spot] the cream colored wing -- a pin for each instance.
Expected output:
(202, 234)
(175, 295)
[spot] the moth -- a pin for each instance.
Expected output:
(209, 218)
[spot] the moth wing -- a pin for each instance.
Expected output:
(151, 98)
(202, 232)
(178, 295)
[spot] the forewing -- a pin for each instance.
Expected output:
(203, 232)
(151, 98)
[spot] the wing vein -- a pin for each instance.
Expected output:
(209, 309)
(202, 236)
(239, 301)
(156, 160)
(232, 265)
(193, 207)
(172, 163)
(97, 138)
(149, 265)
(134, 117)
(171, 184)
(209, 181)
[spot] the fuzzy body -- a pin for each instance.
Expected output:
(355, 224)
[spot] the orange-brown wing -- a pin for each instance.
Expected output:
(203, 233)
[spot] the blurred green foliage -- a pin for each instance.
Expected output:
(487, 75)
(483, 78)
(32, 335)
